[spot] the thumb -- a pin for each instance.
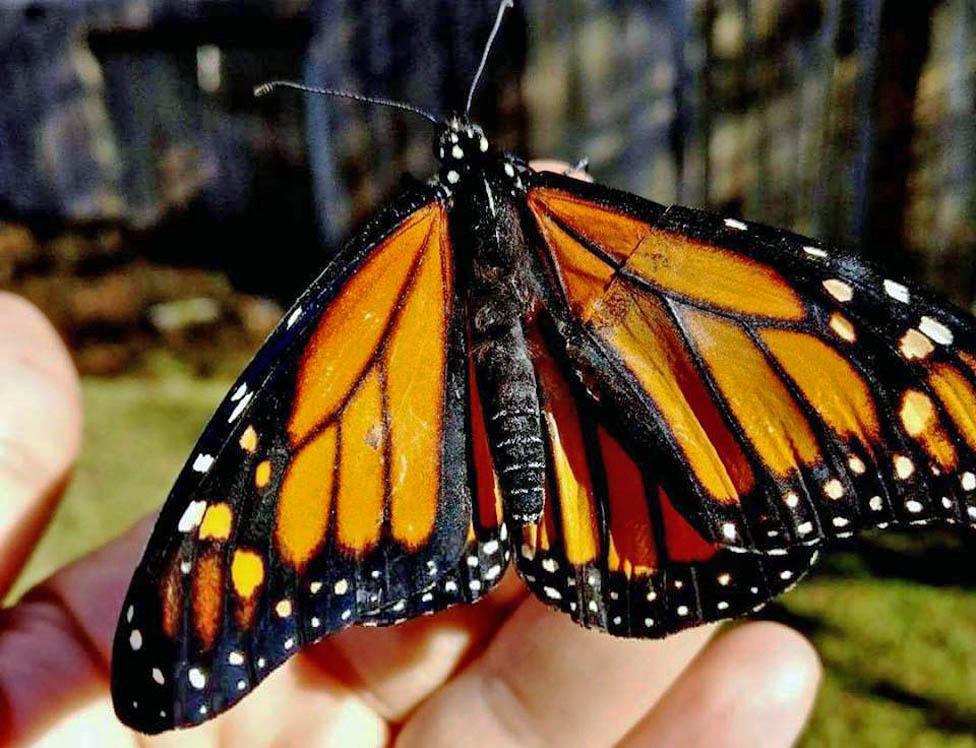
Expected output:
(40, 429)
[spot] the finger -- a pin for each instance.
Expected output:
(396, 668)
(55, 643)
(293, 707)
(753, 686)
(40, 429)
(560, 167)
(545, 681)
(55, 647)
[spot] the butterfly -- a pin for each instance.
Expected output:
(659, 416)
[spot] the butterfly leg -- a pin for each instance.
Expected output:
(511, 405)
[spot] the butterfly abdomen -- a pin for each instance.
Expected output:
(511, 404)
(499, 295)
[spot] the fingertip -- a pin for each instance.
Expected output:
(755, 685)
(782, 663)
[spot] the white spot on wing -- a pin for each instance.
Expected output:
(197, 678)
(192, 516)
(838, 289)
(834, 488)
(293, 317)
(935, 330)
(896, 291)
(904, 467)
(734, 224)
(203, 462)
(239, 392)
(815, 251)
(135, 640)
(240, 407)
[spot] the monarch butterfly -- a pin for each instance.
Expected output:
(661, 415)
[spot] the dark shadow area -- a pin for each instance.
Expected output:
(937, 714)
(937, 558)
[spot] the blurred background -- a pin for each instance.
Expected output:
(163, 218)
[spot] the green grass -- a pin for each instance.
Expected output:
(893, 618)
(900, 661)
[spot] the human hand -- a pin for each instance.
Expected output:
(506, 671)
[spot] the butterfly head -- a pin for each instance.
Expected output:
(460, 146)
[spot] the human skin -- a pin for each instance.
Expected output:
(505, 671)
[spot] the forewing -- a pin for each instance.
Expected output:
(331, 487)
(791, 391)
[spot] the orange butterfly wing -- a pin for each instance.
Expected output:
(332, 487)
(795, 393)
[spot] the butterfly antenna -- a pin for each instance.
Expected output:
(505, 5)
(265, 88)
